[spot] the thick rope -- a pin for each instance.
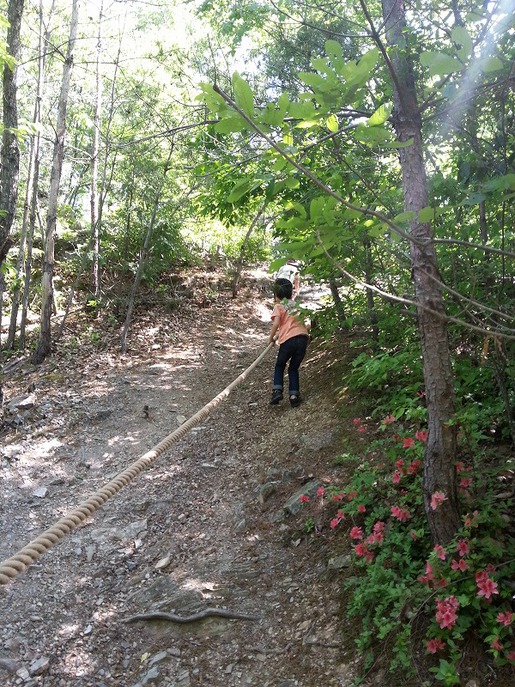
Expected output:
(12, 567)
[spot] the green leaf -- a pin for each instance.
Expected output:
(292, 182)
(491, 64)
(400, 144)
(316, 81)
(332, 123)
(316, 207)
(461, 37)
(506, 182)
(426, 214)
(333, 49)
(234, 123)
(243, 94)
(439, 63)
(380, 115)
(239, 190)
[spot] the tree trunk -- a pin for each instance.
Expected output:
(94, 160)
(241, 258)
(10, 156)
(44, 344)
(143, 257)
(439, 459)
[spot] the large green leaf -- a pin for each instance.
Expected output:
(461, 37)
(243, 94)
(231, 124)
(380, 115)
(332, 123)
(439, 63)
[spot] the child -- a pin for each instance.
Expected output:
(293, 340)
(290, 271)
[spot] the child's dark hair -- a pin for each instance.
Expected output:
(283, 288)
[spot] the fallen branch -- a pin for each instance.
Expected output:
(207, 613)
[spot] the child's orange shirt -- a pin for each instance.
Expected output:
(289, 324)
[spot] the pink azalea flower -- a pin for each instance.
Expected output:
(340, 515)
(379, 526)
(510, 656)
(440, 552)
(471, 521)
(465, 482)
(399, 463)
(388, 420)
(351, 495)
(362, 428)
(505, 618)
(421, 435)
(463, 547)
(304, 498)
(334, 523)
(435, 645)
(396, 477)
(320, 491)
(409, 442)
(360, 550)
(413, 535)
(401, 514)
(338, 497)
(437, 499)
(414, 467)
(356, 533)
(446, 613)
(486, 586)
(460, 565)
(357, 421)
(496, 644)
(362, 509)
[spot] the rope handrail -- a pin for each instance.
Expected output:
(12, 567)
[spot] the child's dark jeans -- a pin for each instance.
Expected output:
(294, 350)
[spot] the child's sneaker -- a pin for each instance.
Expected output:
(295, 400)
(277, 395)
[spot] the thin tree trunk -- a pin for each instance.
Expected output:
(44, 344)
(142, 260)
(94, 159)
(338, 304)
(439, 458)
(10, 155)
(241, 258)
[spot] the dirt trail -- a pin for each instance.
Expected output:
(208, 526)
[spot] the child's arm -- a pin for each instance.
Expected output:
(274, 330)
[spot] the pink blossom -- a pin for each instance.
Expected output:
(460, 565)
(421, 394)
(409, 442)
(396, 477)
(434, 645)
(338, 497)
(334, 523)
(486, 586)
(440, 552)
(357, 421)
(304, 498)
(356, 533)
(388, 420)
(401, 514)
(446, 613)
(360, 549)
(510, 656)
(362, 509)
(379, 526)
(463, 547)
(505, 618)
(429, 576)
(496, 644)
(414, 466)
(413, 535)
(437, 499)
(399, 463)
(340, 515)
(471, 521)
(421, 435)
(351, 495)
(465, 482)
(362, 428)
(320, 491)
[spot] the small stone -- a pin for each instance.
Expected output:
(39, 667)
(339, 562)
(23, 673)
(9, 665)
(174, 651)
(163, 563)
(40, 492)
